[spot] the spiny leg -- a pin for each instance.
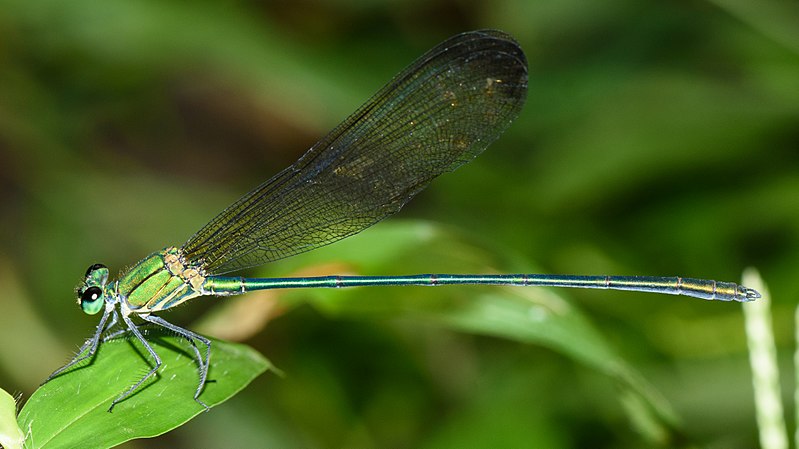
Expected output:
(115, 334)
(135, 331)
(91, 344)
(191, 337)
(114, 321)
(119, 332)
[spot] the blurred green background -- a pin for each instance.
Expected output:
(658, 138)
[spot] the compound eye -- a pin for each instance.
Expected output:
(91, 300)
(94, 267)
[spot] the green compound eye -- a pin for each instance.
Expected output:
(91, 300)
(94, 268)
(97, 274)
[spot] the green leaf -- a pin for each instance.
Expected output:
(72, 409)
(10, 434)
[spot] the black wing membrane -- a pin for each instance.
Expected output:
(437, 114)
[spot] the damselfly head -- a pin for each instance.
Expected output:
(91, 293)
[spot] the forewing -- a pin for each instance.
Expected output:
(438, 113)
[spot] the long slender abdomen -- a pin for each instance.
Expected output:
(697, 288)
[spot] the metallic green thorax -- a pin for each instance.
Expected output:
(159, 281)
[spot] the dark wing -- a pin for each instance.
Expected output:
(437, 114)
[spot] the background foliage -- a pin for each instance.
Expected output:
(658, 138)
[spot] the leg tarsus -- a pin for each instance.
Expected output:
(203, 362)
